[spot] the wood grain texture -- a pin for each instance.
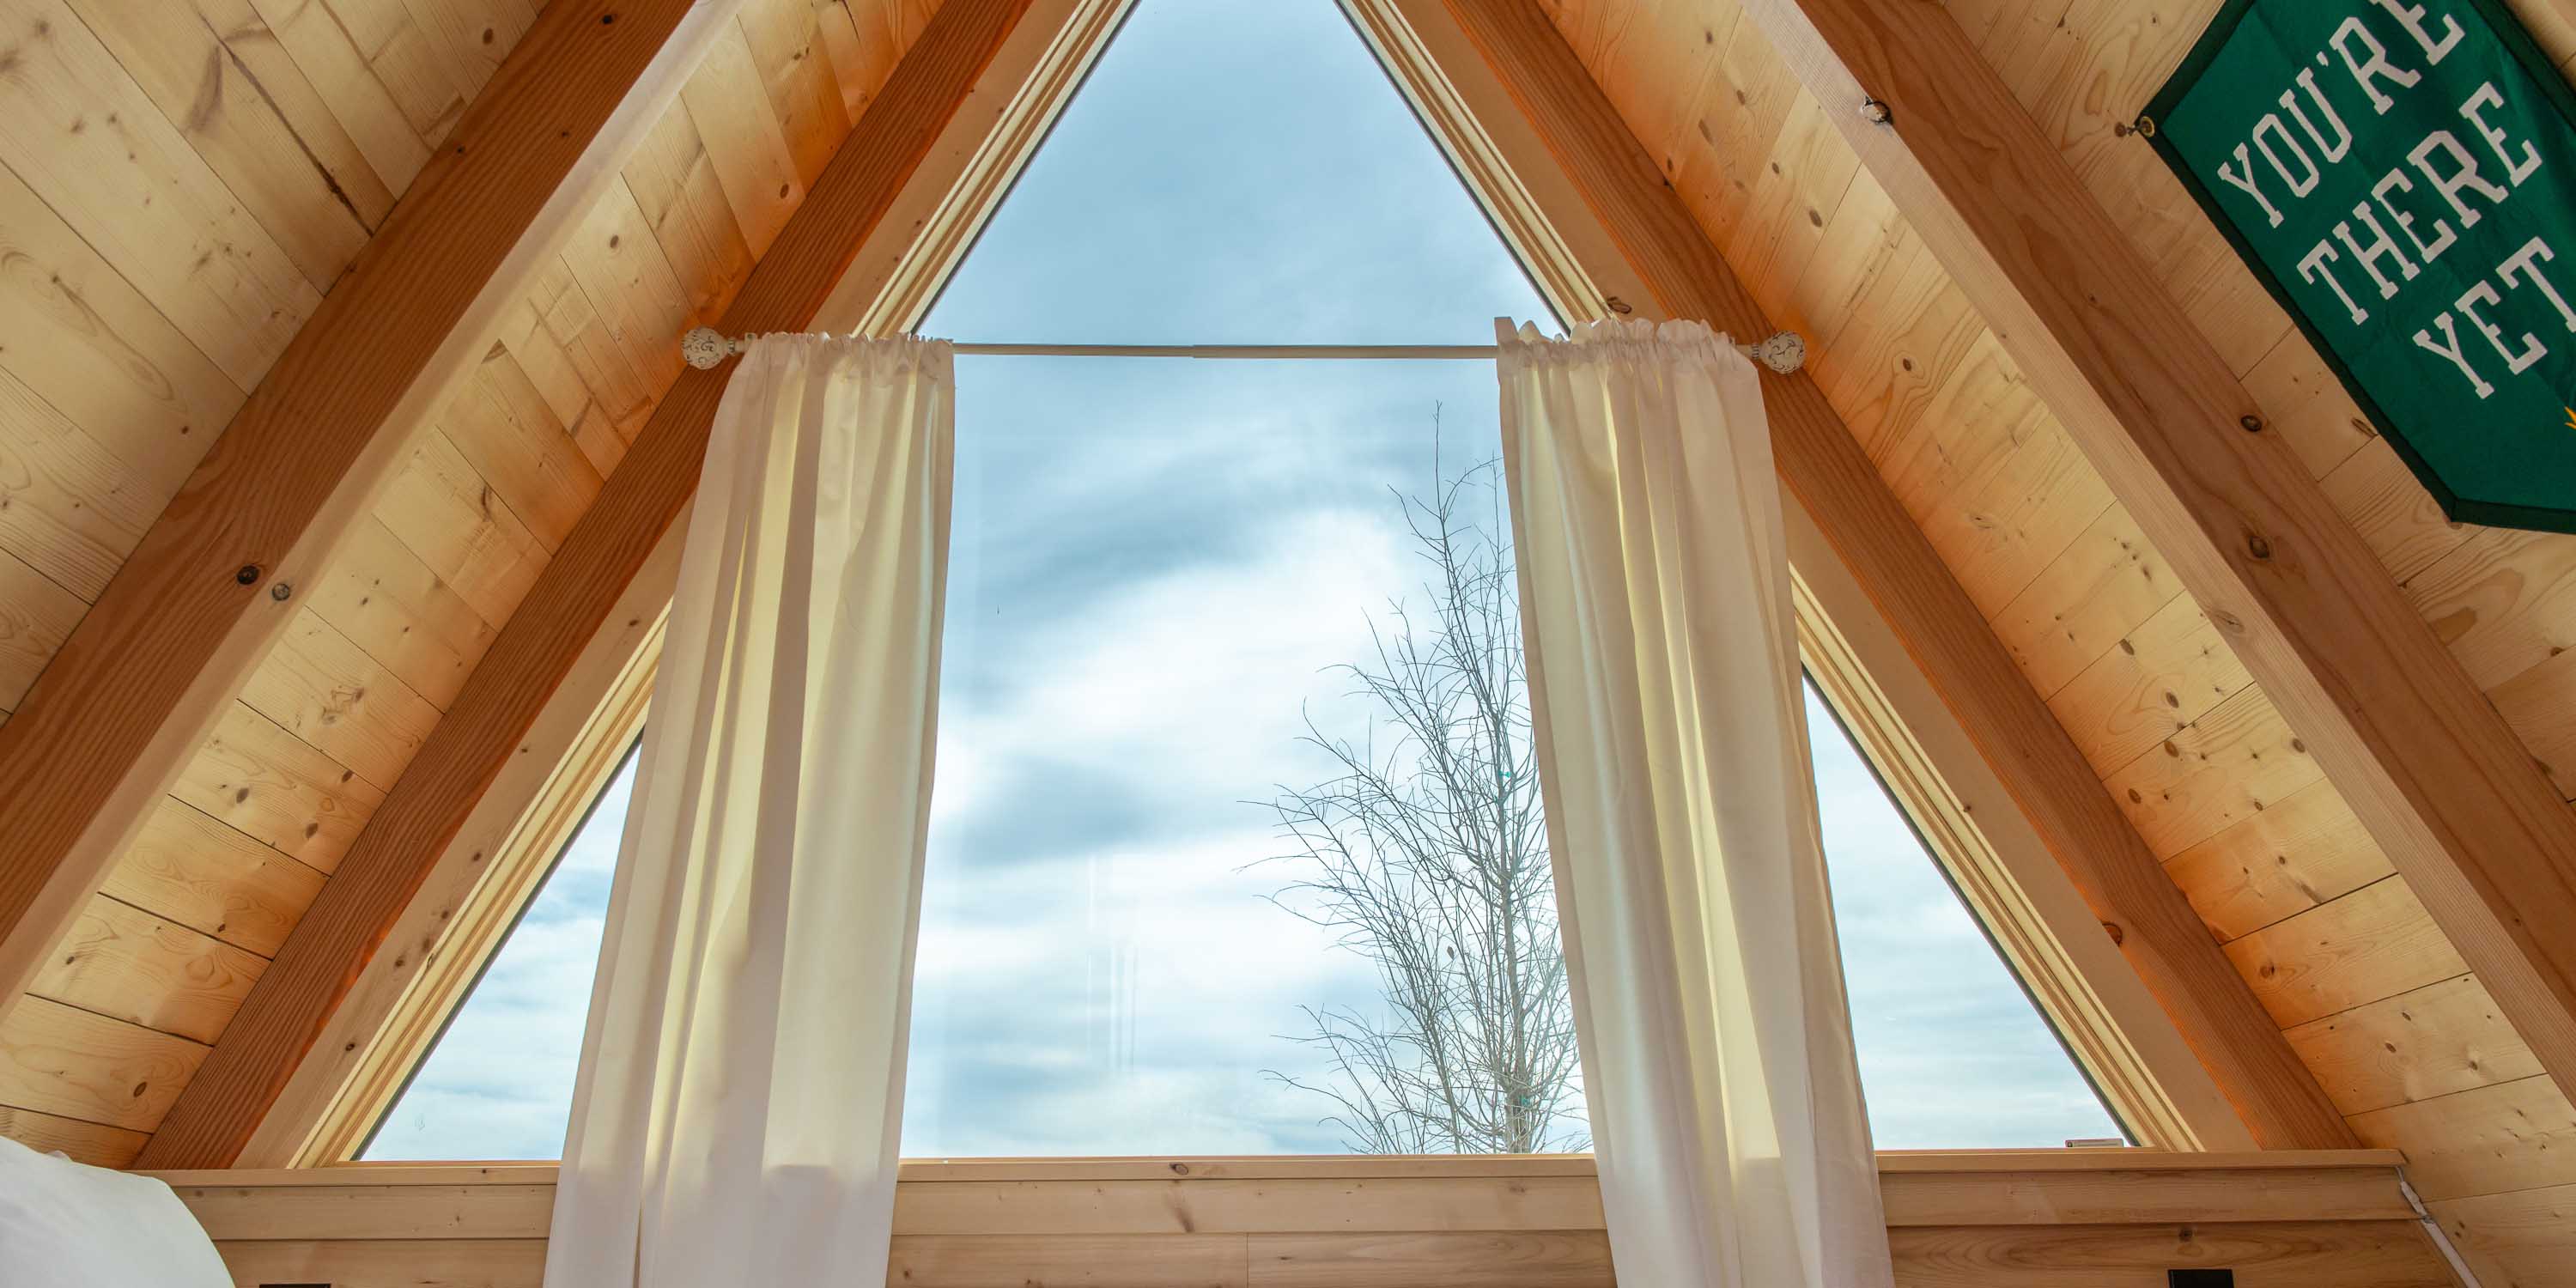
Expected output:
(354, 913)
(176, 633)
(1824, 466)
(2427, 764)
(2009, 1217)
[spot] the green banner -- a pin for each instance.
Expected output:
(2402, 175)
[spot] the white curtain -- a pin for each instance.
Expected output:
(1663, 671)
(741, 1086)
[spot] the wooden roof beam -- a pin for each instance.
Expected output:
(214, 581)
(1825, 470)
(214, 1118)
(2432, 770)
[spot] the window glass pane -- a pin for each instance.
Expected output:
(1953, 1055)
(498, 1084)
(1237, 171)
(1156, 569)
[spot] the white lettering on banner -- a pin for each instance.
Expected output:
(2387, 239)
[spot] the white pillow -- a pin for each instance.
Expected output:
(65, 1223)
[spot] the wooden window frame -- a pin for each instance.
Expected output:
(2115, 1032)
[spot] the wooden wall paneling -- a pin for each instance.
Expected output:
(2431, 1041)
(2011, 1218)
(154, 666)
(675, 187)
(2305, 403)
(323, 50)
(82, 1142)
(2424, 759)
(406, 61)
(2303, 850)
(90, 346)
(2215, 771)
(2374, 943)
(602, 438)
(785, 40)
(127, 964)
(1742, 107)
(36, 615)
(222, 1107)
(1795, 192)
(2401, 521)
(1908, 331)
(386, 600)
(507, 431)
(259, 779)
(467, 534)
(74, 510)
(204, 875)
(620, 268)
(1862, 234)
(2008, 522)
(472, 37)
(726, 99)
(2518, 1135)
(85, 137)
(70, 1063)
(302, 179)
(1826, 470)
(2527, 1237)
(2107, 583)
(2502, 602)
(336, 699)
(574, 327)
(391, 1263)
(2157, 678)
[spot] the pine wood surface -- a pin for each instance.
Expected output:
(117, 375)
(2101, 629)
(1999, 1217)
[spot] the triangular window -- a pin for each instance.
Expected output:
(1159, 570)
(1953, 1055)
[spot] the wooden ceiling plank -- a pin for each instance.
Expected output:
(2427, 1042)
(1825, 469)
(128, 964)
(157, 661)
(313, 195)
(71, 1063)
(215, 1116)
(2448, 790)
(321, 47)
(200, 873)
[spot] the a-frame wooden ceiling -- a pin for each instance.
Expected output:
(123, 360)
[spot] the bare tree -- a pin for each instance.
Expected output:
(1427, 850)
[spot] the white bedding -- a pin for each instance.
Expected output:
(64, 1223)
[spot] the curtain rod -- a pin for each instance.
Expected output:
(704, 347)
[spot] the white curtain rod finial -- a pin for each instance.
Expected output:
(704, 346)
(1783, 353)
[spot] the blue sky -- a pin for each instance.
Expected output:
(1155, 563)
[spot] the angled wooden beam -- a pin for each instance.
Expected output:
(1826, 471)
(2445, 787)
(214, 1117)
(176, 634)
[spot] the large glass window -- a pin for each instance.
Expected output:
(1233, 794)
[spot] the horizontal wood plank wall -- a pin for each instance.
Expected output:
(2376, 1001)
(119, 367)
(2289, 1220)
